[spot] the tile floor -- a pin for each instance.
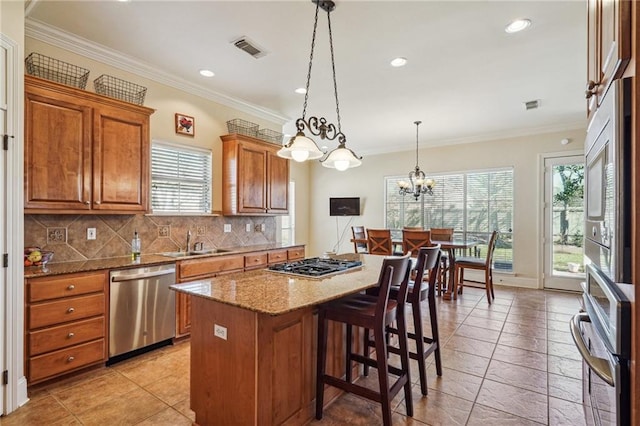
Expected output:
(509, 363)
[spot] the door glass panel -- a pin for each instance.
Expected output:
(567, 220)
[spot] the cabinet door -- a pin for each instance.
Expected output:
(120, 160)
(252, 179)
(184, 314)
(278, 186)
(57, 153)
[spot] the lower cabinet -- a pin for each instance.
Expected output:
(66, 324)
(209, 267)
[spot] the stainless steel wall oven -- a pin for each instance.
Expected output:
(602, 332)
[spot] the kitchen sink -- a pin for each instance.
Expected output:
(193, 253)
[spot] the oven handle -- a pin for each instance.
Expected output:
(600, 366)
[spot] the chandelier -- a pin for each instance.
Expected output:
(300, 147)
(418, 183)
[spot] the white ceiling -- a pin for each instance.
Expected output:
(466, 79)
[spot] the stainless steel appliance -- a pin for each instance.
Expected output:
(602, 333)
(316, 267)
(141, 307)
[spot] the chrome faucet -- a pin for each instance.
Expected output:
(188, 240)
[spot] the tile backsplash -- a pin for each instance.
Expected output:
(66, 235)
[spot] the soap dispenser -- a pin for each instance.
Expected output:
(136, 246)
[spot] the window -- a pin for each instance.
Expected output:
(180, 179)
(472, 203)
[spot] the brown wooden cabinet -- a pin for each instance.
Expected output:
(84, 153)
(254, 179)
(66, 324)
(608, 46)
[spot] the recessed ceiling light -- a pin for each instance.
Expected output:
(206, 73)
(399, 62)
(517, 25)
(301, 90)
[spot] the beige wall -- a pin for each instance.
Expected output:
(12, 20)
(367, 182)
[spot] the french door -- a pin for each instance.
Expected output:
(563, 250)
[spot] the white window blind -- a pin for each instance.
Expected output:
(180, 179)
(472, 203)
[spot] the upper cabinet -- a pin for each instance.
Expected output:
(254, 179)
(84, 153)
(608, 46)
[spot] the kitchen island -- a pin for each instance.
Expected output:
(253, 343)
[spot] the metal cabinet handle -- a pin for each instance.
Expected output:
(70, 310)
(600, 366)
(98, 202)
(71, 287)
(70, 335)
(71, 359)
(592, 89)
(87, 202)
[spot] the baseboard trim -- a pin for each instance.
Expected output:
(507, 280)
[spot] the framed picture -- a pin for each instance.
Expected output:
(185, 125)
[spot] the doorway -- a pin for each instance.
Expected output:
(563, 251)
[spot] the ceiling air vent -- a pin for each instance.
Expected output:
(532, 104)
(247, 45)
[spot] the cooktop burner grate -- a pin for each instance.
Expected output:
(315, 267)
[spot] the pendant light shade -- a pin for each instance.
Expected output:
(341, 159)
(300, 148)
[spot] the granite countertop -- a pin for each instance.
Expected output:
(274, 293)
(145, 260)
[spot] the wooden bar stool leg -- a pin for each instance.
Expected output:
(383, 373)
(365, 351)
(348, 357)
(404, 361)
(322, 356)
(434, 334)
(422, 368)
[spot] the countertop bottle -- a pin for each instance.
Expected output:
(136, 246)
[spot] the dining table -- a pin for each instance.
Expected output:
(450, 247)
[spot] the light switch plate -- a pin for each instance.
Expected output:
(263, 227)
(248, 227)
(227, 227)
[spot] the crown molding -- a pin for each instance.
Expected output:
(51, 35)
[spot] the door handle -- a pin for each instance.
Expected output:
(600, 366)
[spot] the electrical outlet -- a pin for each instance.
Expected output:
(263, 227)
(220, 331)
(91, 233)
(227, 227)
(248, 227)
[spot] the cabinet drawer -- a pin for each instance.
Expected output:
(295, 253)
(64, 360)
(210, 266)
(277, 256)
(54, 338)
(255, 260)
(65, 310)
(63, 286)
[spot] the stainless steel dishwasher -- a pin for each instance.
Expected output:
(142, 308)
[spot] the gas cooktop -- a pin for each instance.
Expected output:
(315, 267)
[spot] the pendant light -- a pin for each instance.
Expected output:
(418, 182)
(300, 147)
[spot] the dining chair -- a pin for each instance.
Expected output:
(359, 233)
(371, 312)
(484, 264)
(420, 290)
(379, 242)
(413, 240)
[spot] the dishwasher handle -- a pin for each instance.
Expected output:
(600, 366)
(141, 275)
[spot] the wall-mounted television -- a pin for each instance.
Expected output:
(344, 206)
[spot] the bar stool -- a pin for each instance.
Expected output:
(428, 263)
(376, 313)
